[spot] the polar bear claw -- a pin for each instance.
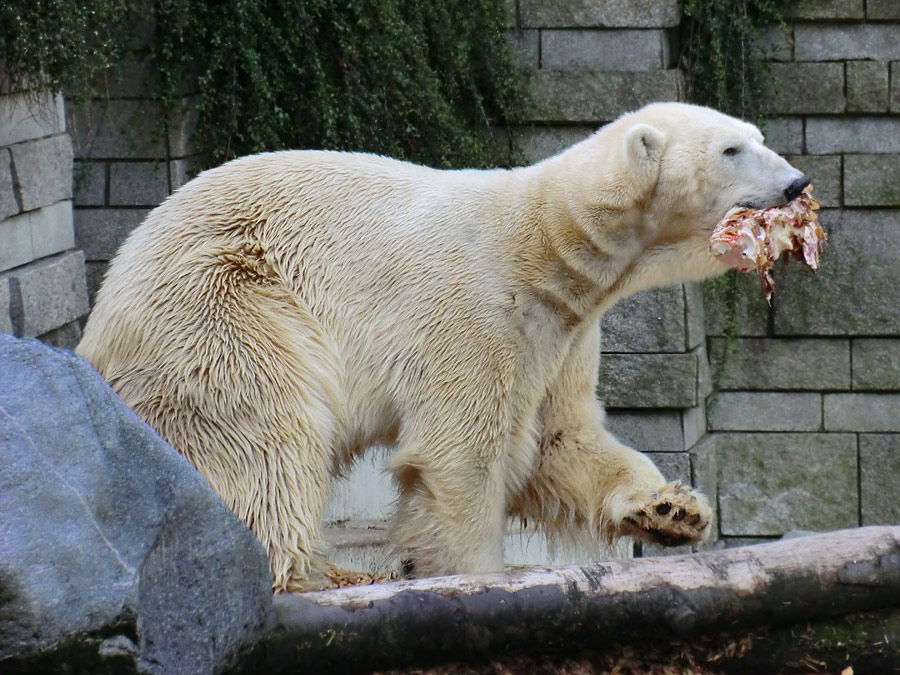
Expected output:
(672, 516)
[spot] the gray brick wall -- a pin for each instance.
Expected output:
(43, 291)
(806, 424)
(126, 161)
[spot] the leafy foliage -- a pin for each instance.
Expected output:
(424, 81)
(60, 44)
(723, 56)
(427, 81)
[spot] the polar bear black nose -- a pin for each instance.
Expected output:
(795, 188)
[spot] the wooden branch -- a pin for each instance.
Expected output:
(545, 611)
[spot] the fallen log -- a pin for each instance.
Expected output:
(473, 618)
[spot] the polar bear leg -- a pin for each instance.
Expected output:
(450, 514)
(257, 419)
(588, 484)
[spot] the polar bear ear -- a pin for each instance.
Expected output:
(644, 145)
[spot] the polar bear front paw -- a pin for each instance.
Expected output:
(672, 516)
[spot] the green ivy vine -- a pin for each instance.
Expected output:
(725, 65)
(60, 45)
(426, 81)
(430, 81)
(723, 57)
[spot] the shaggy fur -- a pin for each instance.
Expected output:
(281, 313)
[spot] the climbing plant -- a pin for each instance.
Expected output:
(724, 61)
(723, 54)
(60, 44)
(427, 81)
(430, 81)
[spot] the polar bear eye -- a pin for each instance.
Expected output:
(731, 152)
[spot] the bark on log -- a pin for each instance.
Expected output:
(546, 611)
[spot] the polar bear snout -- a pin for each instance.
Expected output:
(794, 189)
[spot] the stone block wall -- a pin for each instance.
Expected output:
(807, 421)
(128, 158)
(42, 277)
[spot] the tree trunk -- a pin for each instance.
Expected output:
(562, 611)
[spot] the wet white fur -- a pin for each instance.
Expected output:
(283, 312)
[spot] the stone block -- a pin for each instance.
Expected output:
(181, 129)
(770, 484)
(26, 116)
(647, 430)
(526, 46)
(872, 180)
(879, 465)
(610, 13)
(631, 50)
(741, 542)
(853, 135)
(801, 88)
(90, 183)
(100, 232)
(862, 412)
(650, 321)
(597, 96)
(882, 10)
(826, 9)
(129, 78)
(538, 142)
(695, 314)
(138, 183)
(774, 43)
(43, 170)
(704, 373)
(6, 325)
(850, 41)
(9, 205)
(867, 86)
(894, 102)
(183, 170)
(784, 135)
(824, 172)
(765, 411)
(648, 380)
(855, 290)
(876, 363)
(511, 11)
(95, 272)
(117, 129)
(15, 233)
(694, 424)
(741, 304)
(51, 292)
(781, 364)
(705, 468)
(51, 229)
(673, 465)
(66, 336)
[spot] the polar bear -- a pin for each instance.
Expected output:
(281, 313)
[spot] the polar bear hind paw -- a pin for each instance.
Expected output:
(672, 516)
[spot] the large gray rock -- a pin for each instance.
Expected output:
(115, 555)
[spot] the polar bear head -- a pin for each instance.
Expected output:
(657, 181)
(708, 162)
